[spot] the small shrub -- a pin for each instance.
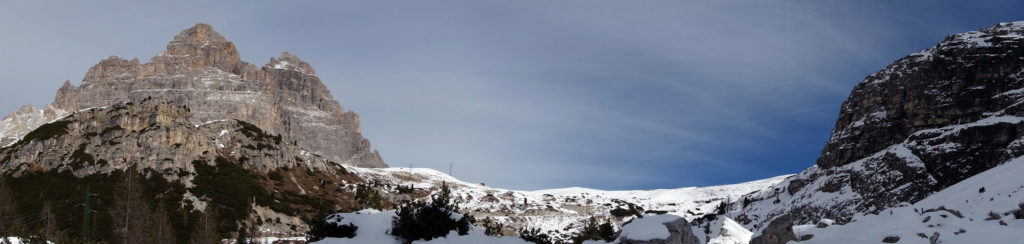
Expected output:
(534, 235)
(492, 228)
(590, 232)
(607, 231)
(405, 189)
(320, 229)
(421, 221)
(275, 175)
(368, 197)
(622, 212)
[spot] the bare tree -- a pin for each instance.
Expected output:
(162, 231)
(130, 212)
(255, 236)
(49, 229)
(205, 231)
(9, 221)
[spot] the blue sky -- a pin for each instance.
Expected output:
(536, 94)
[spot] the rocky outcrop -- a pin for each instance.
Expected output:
(679, 233)
(925, 122)
(203, 71)
(779, 231)
(967, 77)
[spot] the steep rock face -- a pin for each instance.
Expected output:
(153, 135)
(196, 167)
(200, 69)
(778, 231)
(925, 122)
(965, 78)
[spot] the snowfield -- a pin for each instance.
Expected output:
(375, 225)
(649, 228)
(553, 211)
(962, 213)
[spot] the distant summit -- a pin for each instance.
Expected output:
(202, 70)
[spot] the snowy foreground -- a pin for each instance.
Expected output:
(374, 227)
(962, 213)
(970, 215)
(553, 210)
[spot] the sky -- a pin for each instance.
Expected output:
(535, 94)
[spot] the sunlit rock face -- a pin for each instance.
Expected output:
(202, 71)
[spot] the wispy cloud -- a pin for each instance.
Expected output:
(533, 95)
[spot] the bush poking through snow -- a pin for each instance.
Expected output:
(622, 212)
(491, 227)
(421, 221)
(607, 232)
(321, 228)
(1019, 214)
(534, 235)
(368, 197)
(592, 232)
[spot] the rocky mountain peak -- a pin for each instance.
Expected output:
(288, 61)
(112, 68)
(194, 49)
(202, 70)
(198, 34)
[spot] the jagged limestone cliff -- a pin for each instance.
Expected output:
(921, 124)
(200, 69)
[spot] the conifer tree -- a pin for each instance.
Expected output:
(607, 231)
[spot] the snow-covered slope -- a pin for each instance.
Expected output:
(727, 231)
(374, 226)
(14, 126)
(980, 209)
(559, 212)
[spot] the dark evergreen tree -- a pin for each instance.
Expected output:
(422, 221)
(721, 208)
(534, 235)
(368, 197)
(607, 231)
(590, 231)
(320, 228)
